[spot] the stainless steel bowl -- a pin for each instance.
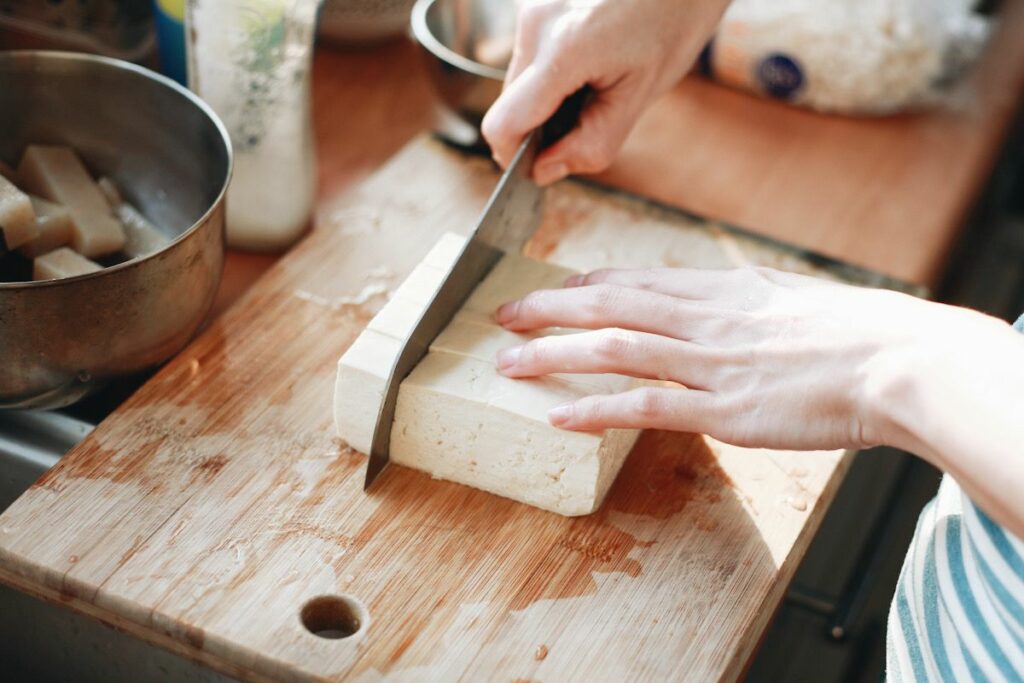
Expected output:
(362, 22)
(60, 339)
(454, 34)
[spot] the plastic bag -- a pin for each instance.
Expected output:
(850, 56)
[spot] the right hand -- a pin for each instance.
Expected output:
(628, 52)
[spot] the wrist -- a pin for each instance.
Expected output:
(891, 385)
(936, 372)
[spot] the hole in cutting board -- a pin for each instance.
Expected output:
(333, 616)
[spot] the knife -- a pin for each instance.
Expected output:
(509, 219)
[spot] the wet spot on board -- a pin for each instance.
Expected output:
(509, 555)
(210, 467)
(231, 387)
(664, 473)
(94, 462)
(397, 653)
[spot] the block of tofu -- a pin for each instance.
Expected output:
(141, 236)
(17, 219)
(62, 262)
(57, 174)
(111, 192)
(457, 418)
(53, 228)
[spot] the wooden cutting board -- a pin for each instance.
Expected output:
(216, 502)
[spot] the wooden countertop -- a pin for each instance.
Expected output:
(888, 194)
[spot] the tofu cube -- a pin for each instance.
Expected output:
(53, 228)
(60, 263)
(457, 417)
(57, 174)
(17, 219)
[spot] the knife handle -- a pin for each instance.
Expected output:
(565, 117)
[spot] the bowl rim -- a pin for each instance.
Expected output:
(13, 55)
(421, 31)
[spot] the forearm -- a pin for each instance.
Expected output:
(958, 402)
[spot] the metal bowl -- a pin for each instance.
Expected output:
(454, 34)
(362, 22)
(61, 339)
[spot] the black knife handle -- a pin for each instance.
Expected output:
(565, 117)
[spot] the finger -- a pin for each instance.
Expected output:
(522, 55)
(600, 306)
(593, 144)
(684, 283)
(526, 103)
(529, 28)
(694, 283)
(624, 352)
(677, 409)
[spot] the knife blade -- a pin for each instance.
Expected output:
(509, 219)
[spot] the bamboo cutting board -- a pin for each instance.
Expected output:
(209, 509)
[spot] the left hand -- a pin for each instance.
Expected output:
(627, 52)
(765, 358)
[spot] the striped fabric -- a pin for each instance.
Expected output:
(958, 611)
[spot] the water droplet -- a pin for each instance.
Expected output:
(797, 503)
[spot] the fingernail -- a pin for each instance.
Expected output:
(507, 312)
(559, 415)
(545, 174)
(509, 357)
(575, 280)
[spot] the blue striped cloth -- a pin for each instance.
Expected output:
(958, 611)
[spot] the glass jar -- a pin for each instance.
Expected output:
(251, 61)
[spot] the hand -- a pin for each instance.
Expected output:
(629, 52)
(765, 358)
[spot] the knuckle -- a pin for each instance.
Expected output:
(647, 403)
(560, 61)
(490, 126)
(597, 276)
(588, 409)
(648, 278)
(603, 300)
(714, 329)
(616, 344)
(537, 352)
(594, 154)
(532, 305)
(530, 16)
(768, 274)
(745, 275)
(757, 276)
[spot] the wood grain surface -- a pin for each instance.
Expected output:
(216, 502)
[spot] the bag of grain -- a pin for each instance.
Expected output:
(847, 56)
